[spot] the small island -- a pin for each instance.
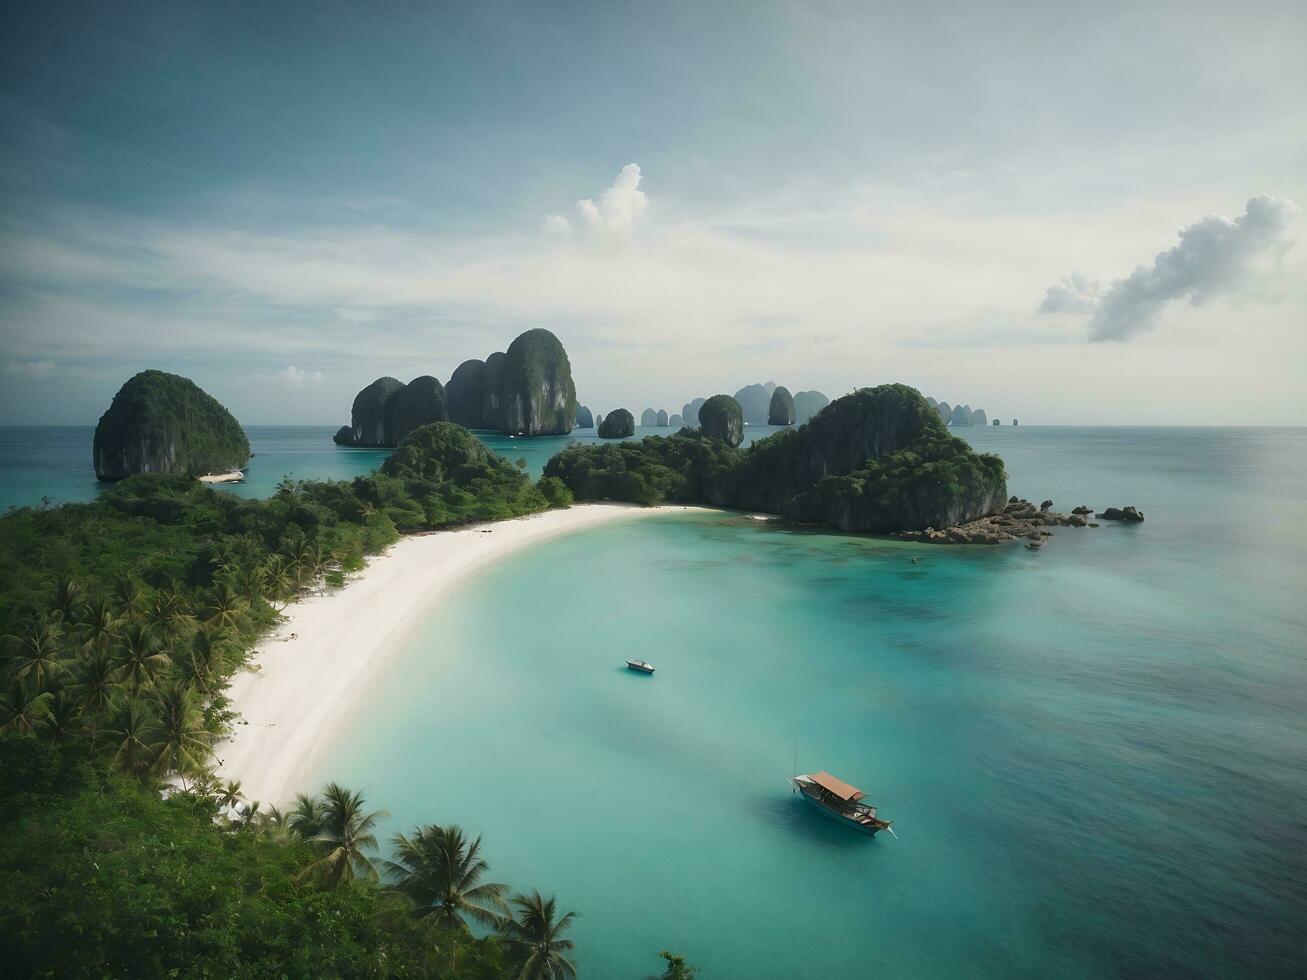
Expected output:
(164, 423)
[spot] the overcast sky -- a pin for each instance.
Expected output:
(1067, 213)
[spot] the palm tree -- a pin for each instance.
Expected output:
(140, 656)
(96, 686)
(274, 823)
(534, 934)
(132, 727)
(278, 580)
(65, 712)
(207, 658)
(69, 597)
(183, 741)
(99, 623)
(24, 710)
(440, 870)
(228, 795)
(168, 613)
(126, 594)
(36, 650)
(306, 816)
(223, 610)
(346, 837)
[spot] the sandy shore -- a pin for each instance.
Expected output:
(308, 672)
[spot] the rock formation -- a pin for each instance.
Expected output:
(781, 410)
(754, 401)
(584, 418)
(418, 403)
(534, 394)
(662, 418)
(1019, 519)
(344, 436)
(807, 404)
(649, 418)
(617, 424)
(1015, 422)
(676, 421)
(492, 392)
(164, 423)
(1128, 514)
(945, 411)
(722, 418)
(961, 415)
(465, 394)
(995, 422)
(368, 415)
(690, 413)
(978, 417)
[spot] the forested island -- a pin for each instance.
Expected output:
(878, 460)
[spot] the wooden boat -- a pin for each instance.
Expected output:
(841, 802)
(641, 666)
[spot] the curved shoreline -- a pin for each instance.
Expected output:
(311, 669)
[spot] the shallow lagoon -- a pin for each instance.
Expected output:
(1094, 754)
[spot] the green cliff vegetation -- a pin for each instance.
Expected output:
(781, 410)
(538, 396)
(122, 621)
(617, 424)
(164, 423)
(877, 460)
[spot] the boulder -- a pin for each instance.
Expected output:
(617, 424)
(807, 404)
(722, 418)
(465, 394)
(1127, 514)
(781, 410)
(1082, 509)
(1046, 505)
(164, 423)
(344, 436)
(418, 403)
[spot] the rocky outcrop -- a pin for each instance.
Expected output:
(995, 422)
(961, 415)
(1018, 520)
(662, 418)
(754, 401)
(690, 413)
(1083, 510)
(1016, 422)
(599, 420)
(781, 410)
(344, 436)
(978, 417)
(465, 394)
(418, 403)
(617, 424)
(649, 418)
(945, 411)
(164, 423)
(492, 392)
(1128, 514)
(807, 404)
(537, 395)
(584, 418)
(368, 414)
(676, 421)
(722, 418)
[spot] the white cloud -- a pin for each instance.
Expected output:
(1076, 293)
(615, 216)
(35, 370)
(298, 378)
(1216, 257)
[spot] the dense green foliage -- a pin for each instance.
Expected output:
(722, 418)
(164, 423)
(879, 459)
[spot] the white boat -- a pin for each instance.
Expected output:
(841, 802)
(642, 666)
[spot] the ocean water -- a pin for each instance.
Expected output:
(54, 462)
(1095, 755)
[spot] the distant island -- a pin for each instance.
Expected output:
(527, 390)
(878, 460)
(164, 423)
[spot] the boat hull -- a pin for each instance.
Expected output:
(639, 669)
(868, 830)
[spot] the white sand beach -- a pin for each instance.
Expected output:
(308, 672)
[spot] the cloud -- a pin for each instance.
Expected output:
(35, 370)
(298, 378)
(614, 217)
(1076, 293)
(1216, 257)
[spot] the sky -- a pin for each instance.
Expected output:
(1067, 213)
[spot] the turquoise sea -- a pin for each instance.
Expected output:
(1095, 755)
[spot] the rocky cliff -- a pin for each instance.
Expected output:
(465, 393)
(649, 418)
(754, 401)
(690, 413)
(662, 418)
(617, 424)
(807, 404)
(492, 392)
(676, 421)
(537, 395)
(722, 418)
(164, 423)
(584, 418)
(781, 410)
(418, 403)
